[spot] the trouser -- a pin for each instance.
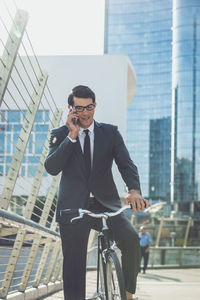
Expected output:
(74, 246)
(145, 256)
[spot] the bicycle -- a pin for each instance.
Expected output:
(110, 281)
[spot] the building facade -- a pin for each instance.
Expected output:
(142, 30)
(10, 125)
(159, 159)
(162, 39)
(186, 102)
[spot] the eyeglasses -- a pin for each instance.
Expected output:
(81, 108)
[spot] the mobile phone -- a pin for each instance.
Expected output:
(74, 121)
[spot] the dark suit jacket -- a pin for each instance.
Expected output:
(67, 157)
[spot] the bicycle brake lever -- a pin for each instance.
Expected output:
(79, 217)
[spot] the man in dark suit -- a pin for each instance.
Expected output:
(84, 150)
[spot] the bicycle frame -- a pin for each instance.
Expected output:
(107, 258)
(109, 286)
(103, 249)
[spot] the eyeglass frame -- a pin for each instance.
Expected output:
(84, 107)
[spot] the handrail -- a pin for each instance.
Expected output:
(176, 248)
(21, 220)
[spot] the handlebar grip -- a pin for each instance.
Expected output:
(69, 211)
(145, 206)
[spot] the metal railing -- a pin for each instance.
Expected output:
(175, 257)
(162, 257)
(37, 264)
(30, 247)
(183, 252)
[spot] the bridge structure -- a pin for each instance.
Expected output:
(30, 246)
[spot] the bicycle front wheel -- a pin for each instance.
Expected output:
(114, 278)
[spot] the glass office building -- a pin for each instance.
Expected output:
(162, 39)
(142, 30)
(159, 158)
(186, 101)
(10, 126)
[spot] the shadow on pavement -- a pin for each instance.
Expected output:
(158, 277)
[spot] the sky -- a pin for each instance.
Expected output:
(60, 27)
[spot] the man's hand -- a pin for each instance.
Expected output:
(138, 202)
(73, 128)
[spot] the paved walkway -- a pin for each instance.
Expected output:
(177, 284)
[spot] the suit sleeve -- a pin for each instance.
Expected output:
(59, 152)
(124, 163)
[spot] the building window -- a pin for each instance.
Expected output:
(11, 122)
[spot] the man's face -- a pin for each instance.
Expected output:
(143, 230)
(85, 117)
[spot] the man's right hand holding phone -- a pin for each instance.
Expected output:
(73, 124)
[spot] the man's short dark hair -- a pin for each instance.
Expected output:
(81, 91)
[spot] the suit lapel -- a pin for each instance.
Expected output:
(78, 151)
(98, 139)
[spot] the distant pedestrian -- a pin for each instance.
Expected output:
(145, 243)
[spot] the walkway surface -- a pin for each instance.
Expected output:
(173, 284)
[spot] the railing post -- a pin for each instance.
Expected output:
(44, 256)
(40, 170)
(157, 241)
(27, 214)
(57, 267)
(22, 143)
(11, 49)
(60, 276)
(163, 254)
(36, 242)
(56, 249)
(185, 240)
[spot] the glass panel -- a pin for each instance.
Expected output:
(1, 170)
(8, 148)
(23, 170)
(39, 140)
(31, 170)
(13, 116)
(2, 141)
(39, 116)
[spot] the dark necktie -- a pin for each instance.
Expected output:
(87, 155)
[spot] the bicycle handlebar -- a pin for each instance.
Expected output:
(83, 212)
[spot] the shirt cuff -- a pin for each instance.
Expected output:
(72, 140)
